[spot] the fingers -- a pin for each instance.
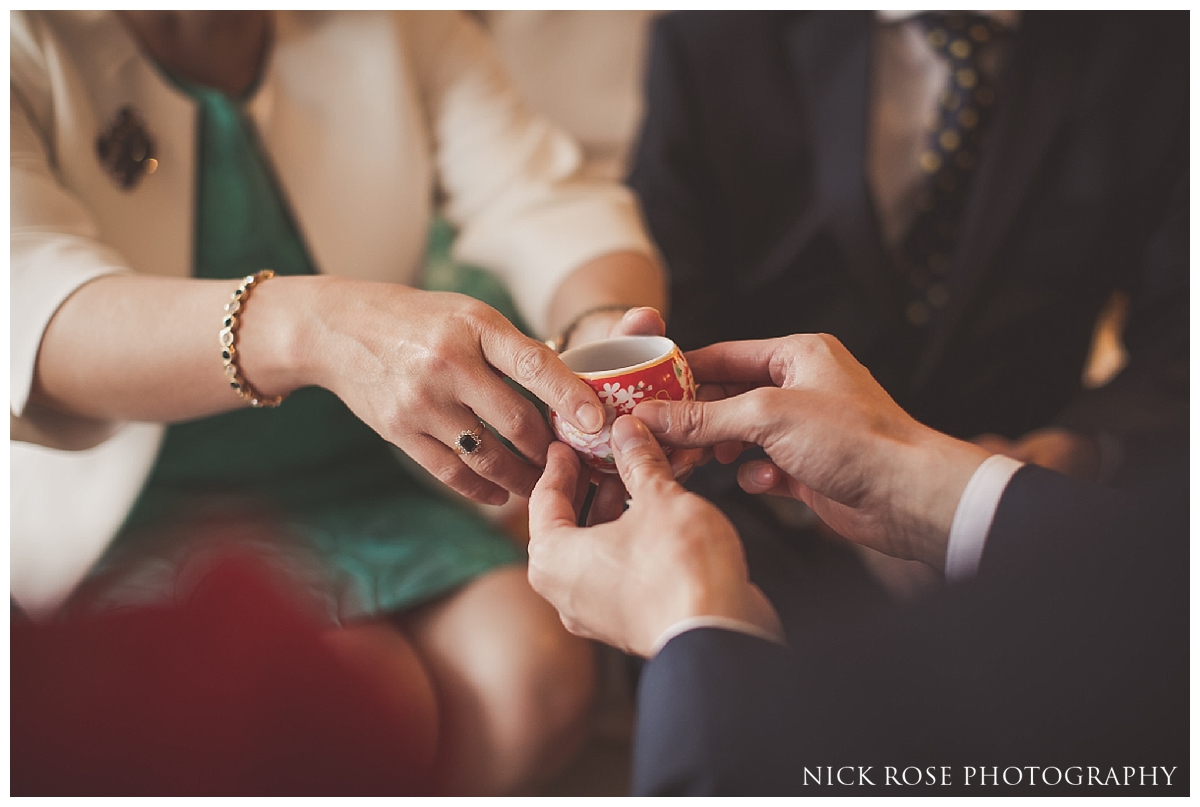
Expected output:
(696, 424)
(491, 459)
(511, 414)
(734, 362)
(448, 467)
(643, 321)
(538, 369)
(640, 460)
(685, 461)
(790, 361)
(725, 453)
(609, 501)
(552, 503)
(763, 476)
(728, 452)
(583, 486)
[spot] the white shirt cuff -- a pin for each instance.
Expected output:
(722, 622)
(973, 517)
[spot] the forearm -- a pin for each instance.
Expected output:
(132, 347)
(627, 278)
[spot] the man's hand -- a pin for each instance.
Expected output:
(836, 440)
(669, 557)
(1058, 449)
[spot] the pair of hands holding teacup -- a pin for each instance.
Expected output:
(834, 439)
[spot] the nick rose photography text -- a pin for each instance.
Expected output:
(989, 776)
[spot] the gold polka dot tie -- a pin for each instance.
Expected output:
(951, 153)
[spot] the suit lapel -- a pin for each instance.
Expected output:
(1031, 101)
(830, 56)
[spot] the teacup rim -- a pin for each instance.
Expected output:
(632, 368)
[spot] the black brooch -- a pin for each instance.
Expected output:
(126, 150)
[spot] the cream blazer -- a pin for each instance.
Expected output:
(366, 117)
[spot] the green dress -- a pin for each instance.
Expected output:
(308, 485)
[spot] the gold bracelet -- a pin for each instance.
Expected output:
(229, 329)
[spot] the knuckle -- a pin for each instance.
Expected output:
(521, 423)
(805, 344)
(531, 360)
(831, 346)
(466, 310)
(489, 461)
(459, 477)
(538, 579)
(687, 417)
(760, 405)
(827, 340)
(394, 423)
(479, 311)
(648, 470)
(434, 359)
(407, 400)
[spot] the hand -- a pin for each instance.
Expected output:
(1058, 449)
(670, 556)
(836, 440)
(420, 367)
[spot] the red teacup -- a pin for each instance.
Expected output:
(624, 371)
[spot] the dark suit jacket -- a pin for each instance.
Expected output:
(1069, 649)
(750, 169)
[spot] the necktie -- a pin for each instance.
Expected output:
(949, 159)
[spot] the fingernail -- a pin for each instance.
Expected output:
(655, 414)
(763, 475)
(591, 417)
(628, 433)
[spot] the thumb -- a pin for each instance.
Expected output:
(700, 424)
(640, 460)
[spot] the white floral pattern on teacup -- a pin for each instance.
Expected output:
(596, 446)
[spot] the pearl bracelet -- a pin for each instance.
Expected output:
(229, 329)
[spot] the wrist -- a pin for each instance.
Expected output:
(590, 325)
(276, 336)
(932, 472)
(742, 604)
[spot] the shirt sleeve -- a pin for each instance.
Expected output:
(513, 181)
(968, 535)
(974, 514)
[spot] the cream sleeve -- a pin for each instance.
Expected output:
(53, 247)
(512, 181)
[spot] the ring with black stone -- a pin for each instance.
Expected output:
(468, 441)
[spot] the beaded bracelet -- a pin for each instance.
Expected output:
(229, 329)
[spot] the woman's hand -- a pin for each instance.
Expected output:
(420, 368)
